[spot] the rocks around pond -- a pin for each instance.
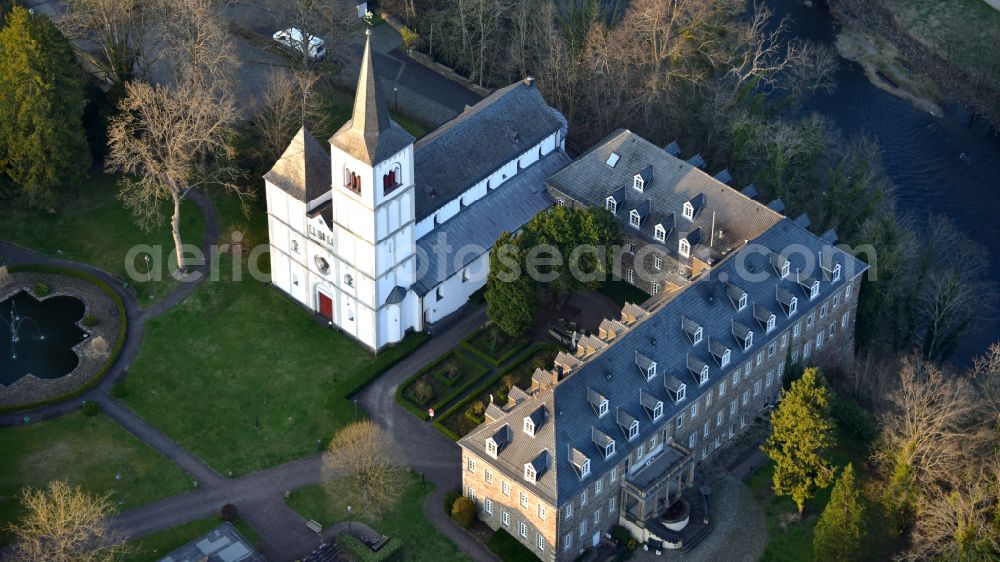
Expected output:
(31, 389)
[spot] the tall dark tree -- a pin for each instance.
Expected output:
(43, 147)
(838, 533)
(511, 295)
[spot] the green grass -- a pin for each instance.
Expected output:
(790, 540)
(421, 541)
(622, 292)
(91, 225)
(234, 352)
(962, 31)
(493, 345)
(85, 451)
(155, 546)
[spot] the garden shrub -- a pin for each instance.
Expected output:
(463, 511)
(89, 321)
(229, 512)
(853, 419)
(449, 500)
(422, 392)
(360, 552)
(509, 549)
(449, 374)
(42, 290)
(91, 408)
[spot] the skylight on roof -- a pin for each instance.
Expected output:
(613, 159)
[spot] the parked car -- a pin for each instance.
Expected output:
(292, 39)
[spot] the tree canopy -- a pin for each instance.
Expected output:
(838, 532)
(511, 296)
(802, 433)
(43, 146)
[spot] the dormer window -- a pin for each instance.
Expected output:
(682, 392)
(703, 377)
(698, 335)
(658, 411)
(640, 180)
(609, 450)
(725, 358)
(529, 427)
(529, 472)
(688, 211)
(651, 372)
(836, 272)
(749, 341)
(637, 182)
(793, 305)
(684, 248)
(611, 205)
(633, 430)
(785, 269)
(602, 409)
(770, 323)
(646, 365)
(659, 233)
(491, 448)
(585, 469)
(604, 443)
(634, 219)
(742, 302)
(814, 290)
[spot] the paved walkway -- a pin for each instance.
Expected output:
(260, 496)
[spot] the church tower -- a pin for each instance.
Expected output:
(373, 210)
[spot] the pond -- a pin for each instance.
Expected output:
(38, 337)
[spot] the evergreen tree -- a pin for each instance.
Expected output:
(801, 434)
(43, 146)
(511, 295)
(838, 534)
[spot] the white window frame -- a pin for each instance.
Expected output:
(657, 262)
(598, 487)
(722, 389)
(687, 211)
(679, 421)
(836, 272)
(658, 411)
(541, 511)
(784, 340)
(522, 499)
(746, 396)
(756, 388)
(611, 205)
(609, 450)
(736, 377)
(704, 375)
(614, 473)
(747, 368)
(630, 276)
(770, 324)
(585, 470)
(602, 408)
(719, 417)
(692, 440)
(694, 410)
(488, 506)
(633, 430)
(769, 379)
(843, 320)
(659, 233)
(567, 541)
(505, 488)
(698, 335)
(611, 505)
(786, 268)
(742, 302)
(684, 248)
(847, 290)
(725, 358)
(656, 287)
(634, 220)
(529, 472)
(814, 290)
(540, 542)
(529, 426)
(771, 349)
(793, 306)
(522, 529)
(505, 518)
(488, 476)
(470, 464)
(637, 183)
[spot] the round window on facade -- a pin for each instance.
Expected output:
(323, 265)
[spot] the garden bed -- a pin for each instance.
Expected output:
(441, 382)
(492, 345)
(466, 414)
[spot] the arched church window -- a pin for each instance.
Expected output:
(352, 181)
(322, 265)
(392, 179)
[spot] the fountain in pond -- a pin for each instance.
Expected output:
(14, 326)
(42, 335)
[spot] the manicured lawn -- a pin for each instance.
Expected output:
(91, 225)
(466, 414)
(421, 541)
(157, 545)
(238, 353)
(86, 451)
(622, 292)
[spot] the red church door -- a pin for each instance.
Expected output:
(325, 306)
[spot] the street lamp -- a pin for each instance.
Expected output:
(395, 91)
(349, 520)
(149, 277)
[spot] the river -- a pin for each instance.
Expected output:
(948, 166)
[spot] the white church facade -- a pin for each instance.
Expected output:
(381, 234)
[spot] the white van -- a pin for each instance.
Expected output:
(292, 39)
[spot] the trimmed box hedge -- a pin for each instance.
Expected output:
(471, 377)
(510, 348)
(115, 351)
(458, 409)
(361, 553)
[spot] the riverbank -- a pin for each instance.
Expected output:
(929, 52)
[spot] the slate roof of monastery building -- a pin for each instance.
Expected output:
(573, 426)
(506, 208)
(303, 171)
(477, 142)
(592, 179)
(371, 135)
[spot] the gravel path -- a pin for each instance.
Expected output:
(739, 533)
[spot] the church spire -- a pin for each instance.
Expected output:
(370, 135)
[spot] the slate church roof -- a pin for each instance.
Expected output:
(480, 140)
(370, 136)
(612, 374)
(303, 171)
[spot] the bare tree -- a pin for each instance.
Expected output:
(362, 468)
(986, 372)
(64, 524)
(167, 141)
(117, 29)
(196, 43)
(336, 21)
(288, 103)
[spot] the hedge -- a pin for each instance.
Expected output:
(509, 549)
(362, 553)
(464, 402)
(520, 344)
(419, 337)
(420, 412)
(115, 351)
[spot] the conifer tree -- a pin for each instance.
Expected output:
(838, 534)
(801, 435)
(511, 295)
(43, 146)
